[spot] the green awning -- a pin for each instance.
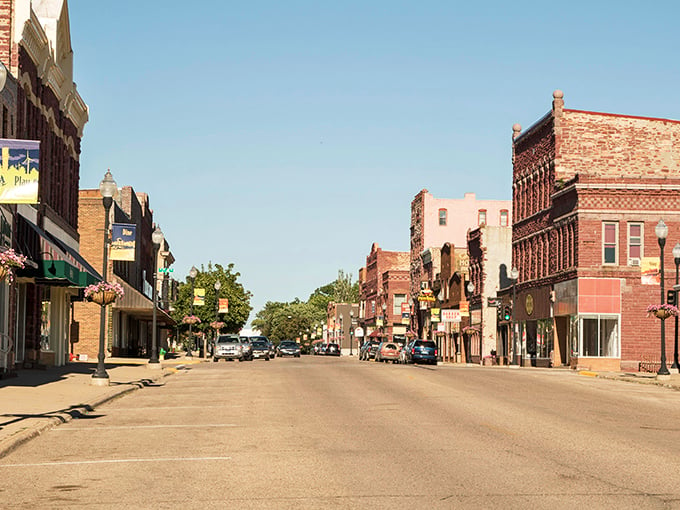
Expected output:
(58, 270)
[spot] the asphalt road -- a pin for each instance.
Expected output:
(315, 432)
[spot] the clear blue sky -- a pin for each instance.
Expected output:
(288, 136)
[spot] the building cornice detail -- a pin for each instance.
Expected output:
(36, 44)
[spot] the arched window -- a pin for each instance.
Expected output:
(442, 217)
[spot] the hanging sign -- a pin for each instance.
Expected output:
(199, 297)
(223, 306)
(450, 315)
(19, 171)
(434, 315)
(123, 242)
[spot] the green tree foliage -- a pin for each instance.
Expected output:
(239, 299)
(286, 321)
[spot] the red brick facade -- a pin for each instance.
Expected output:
(574, 172)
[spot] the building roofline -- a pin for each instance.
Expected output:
(621, 115)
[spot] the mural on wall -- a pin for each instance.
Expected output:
(19, 171)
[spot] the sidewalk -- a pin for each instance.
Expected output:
(37, 400)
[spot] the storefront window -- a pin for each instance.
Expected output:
(544, 338)
(600, 336)
(45, 326)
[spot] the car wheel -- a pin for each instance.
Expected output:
(214, 359)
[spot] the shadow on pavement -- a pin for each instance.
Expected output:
(80, 411)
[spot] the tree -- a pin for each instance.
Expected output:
(239, 299)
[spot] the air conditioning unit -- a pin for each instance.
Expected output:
(634, 261)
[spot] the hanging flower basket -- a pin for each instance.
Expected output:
(10, 260)
(190, 319)
(470, 330)
(104, 293)
(217, 325)
(662, 311)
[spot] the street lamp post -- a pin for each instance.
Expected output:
(471, 290)
(192, 275)
(107, 188)
(156, 240)
(661, 231)
(676, 259)
(351, 331)
(384, 310)
(217, 286)
(514, 274)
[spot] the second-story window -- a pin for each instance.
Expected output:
(635, 237)
(442, 217)
(481, 218)
(504, 218)
(610, 242)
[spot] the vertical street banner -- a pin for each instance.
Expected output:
(223, 305)
(434, 315)
(123, 237)
(199, 297)
(650, 271)
(405, 313)
(19, 171)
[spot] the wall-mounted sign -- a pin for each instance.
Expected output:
(450, 315)
(529, 304)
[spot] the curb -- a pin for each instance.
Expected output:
(13, 442)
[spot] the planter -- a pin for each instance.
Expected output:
(190, 321)
(103, 297)
(662, 314)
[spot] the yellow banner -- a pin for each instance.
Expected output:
(199, 297)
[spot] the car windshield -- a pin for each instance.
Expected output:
(260, 345)
(390, 346)
(288, 344)
(259, 339)
(227, 340)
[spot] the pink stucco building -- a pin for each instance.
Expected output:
(436, 221)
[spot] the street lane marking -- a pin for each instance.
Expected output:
(115, 461)
(114, 427)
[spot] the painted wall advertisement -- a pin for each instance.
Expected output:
(123, 237)
(19, 171)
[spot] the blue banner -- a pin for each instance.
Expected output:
(123, 237)
(19, 171)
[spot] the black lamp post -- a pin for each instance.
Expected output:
(676, 258)
(351, 331)
(192, 275)
(217, 286)
(514, 274)
(471, 291)
(156, 240)
(661, 233)
(384, 310)
(107, 188)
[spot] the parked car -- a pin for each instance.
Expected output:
(368, 350)
(247, 349)
(387, 351)
(260, 349)
(332, 350)
(421, 351)
(288, 348)
(262, 338)
(228, 347)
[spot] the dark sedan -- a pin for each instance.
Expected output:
(288, 348)
(260, 350)
(332, 350)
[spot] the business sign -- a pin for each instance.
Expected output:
(464, 307)
(359, 332)
(199, 297)
(450, 315)
(19, 171)
(223, 305)
(434, 315)
(493, 301)
(123, 238)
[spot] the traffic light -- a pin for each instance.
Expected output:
(507, 312)
(672, 297)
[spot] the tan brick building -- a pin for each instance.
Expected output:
(588, 190)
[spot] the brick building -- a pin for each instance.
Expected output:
(341, 320)
(436, 221)
(129, 320)
(41, 103)
(384, 289)
(588, 190)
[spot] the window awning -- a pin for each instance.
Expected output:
(139, 306)
(57, 263)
